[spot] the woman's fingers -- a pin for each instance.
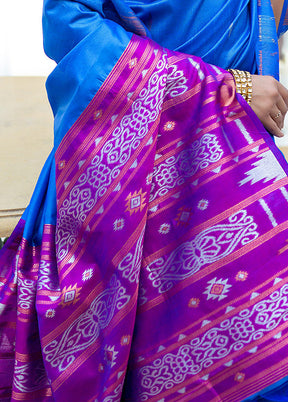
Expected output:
(270, 125)
(282, 103)
(277, 113)
(282, 108)
(269, 102)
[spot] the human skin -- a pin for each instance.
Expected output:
(269, 97)
(277, 6)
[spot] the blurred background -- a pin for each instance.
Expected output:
(21, 50)
(26, 121)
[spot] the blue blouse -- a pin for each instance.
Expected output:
(222, 32)
(87, 37)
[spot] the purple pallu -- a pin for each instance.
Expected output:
(166, 276)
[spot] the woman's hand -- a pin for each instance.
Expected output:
(269, 102)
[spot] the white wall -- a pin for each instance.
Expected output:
(21, 50)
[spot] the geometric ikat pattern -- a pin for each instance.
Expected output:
(207, 247)
(232, 334)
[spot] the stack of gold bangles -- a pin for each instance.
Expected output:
(243, 83)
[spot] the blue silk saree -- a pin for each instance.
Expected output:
(152, 261)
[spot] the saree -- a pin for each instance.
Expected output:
(151, 263)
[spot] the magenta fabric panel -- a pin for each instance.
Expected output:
(165, 277)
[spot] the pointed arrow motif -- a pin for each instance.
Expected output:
(181, 337)
(229, 308)
(254, 350)
(277, 336)
(150, 141)
(182, 391)
(236, 159)
(5, 344)
(114, 117)
(72, 259)
(205, 378)
(179, 144)
(256, 149)
(118, 188)
(195, 183)
(144, 72)
(129, 96)
(161, 348)
(120, 374)
(205, 322)
(229, 364)
(140, 358)
(53, 298)
(177, 195)
(277, 280)
(254, 294)
(100, 210)
(155, 52)
(135, 164)
(98, 140)
(217, 170)
(66, 184)
(157, 156)
(88, 228)
(231, 114)
(81, 163)
(154, 209)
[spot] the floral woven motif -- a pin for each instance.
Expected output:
(165, 277)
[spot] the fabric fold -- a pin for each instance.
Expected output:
(165, 208)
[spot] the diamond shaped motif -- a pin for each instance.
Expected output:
(70, 295)
(217, 289)
(135, 202)
(183, 216)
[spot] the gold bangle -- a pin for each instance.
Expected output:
(243, 83)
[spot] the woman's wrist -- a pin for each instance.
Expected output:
(243, 83)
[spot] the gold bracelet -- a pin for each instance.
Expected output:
(243, 83)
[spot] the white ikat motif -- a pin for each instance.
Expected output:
(131, 263)
(176, 169)
(142, 299)
(231, 335)
(84, 331)
(5, 344)
(26, 293)
(29, 377)
(176, 82)
(116, 396)
(265, 169)
(217, 289)
(106, 166)
(48, 278)
(207, 247)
